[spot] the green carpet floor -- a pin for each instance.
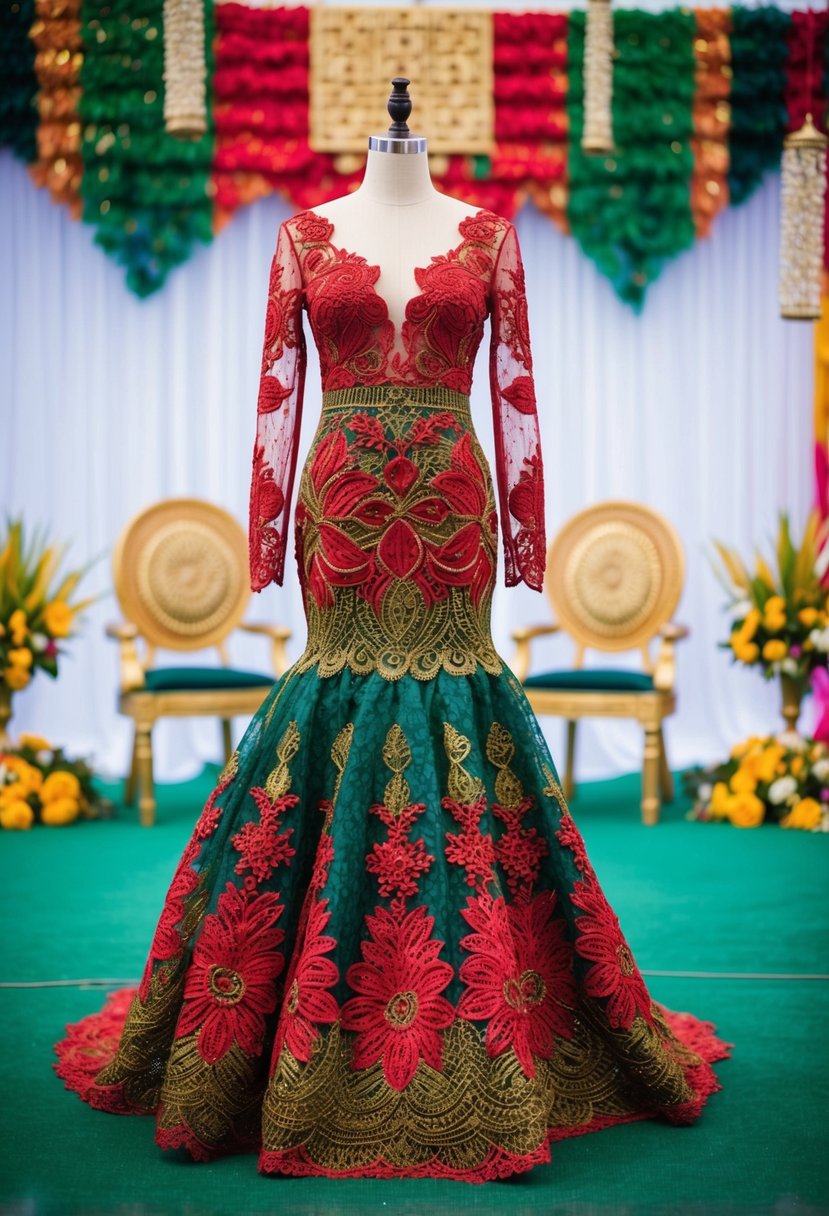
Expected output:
(82, 902)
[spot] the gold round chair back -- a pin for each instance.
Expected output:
(181, 573)
(614, 575)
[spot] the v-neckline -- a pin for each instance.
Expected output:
(349, 253)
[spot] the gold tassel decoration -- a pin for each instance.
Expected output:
(597, 134)
(185, 69)
(803, 186)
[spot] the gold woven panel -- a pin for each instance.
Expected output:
(181, 573)
(615, 574)
(446, 53)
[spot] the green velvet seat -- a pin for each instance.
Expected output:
(190, 679)
(595, 679)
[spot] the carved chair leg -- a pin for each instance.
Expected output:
(569, 772)
(132, 778)
(650, 777)
(144, 765)
(227, 740)
(666, 777)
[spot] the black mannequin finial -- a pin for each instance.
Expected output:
(400, 107)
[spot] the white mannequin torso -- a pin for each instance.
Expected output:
(396, 220)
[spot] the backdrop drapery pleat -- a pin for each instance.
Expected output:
(700, 408)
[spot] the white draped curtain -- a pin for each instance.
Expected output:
(700, 408)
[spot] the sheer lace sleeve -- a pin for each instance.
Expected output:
(279, 412)
(518, 466)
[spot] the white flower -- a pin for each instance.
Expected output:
(782, 789)
(704, 793)
(792, 740)
(43, 757)
(789, 667)
(821, 769)
(741, 608)
(820, 638)
(39, 641)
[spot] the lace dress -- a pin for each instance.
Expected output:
(384, 951)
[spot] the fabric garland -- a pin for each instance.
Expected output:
(701, 103)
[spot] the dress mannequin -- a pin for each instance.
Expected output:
(396, 219)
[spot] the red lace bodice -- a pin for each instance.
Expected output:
(440, 335)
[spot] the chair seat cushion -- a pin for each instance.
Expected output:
(181, 679)
(592, 679)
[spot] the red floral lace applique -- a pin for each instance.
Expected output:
(309, 1002)
(397, 861)
(263, 847)
(515, 419)
(208, 821)
(614, 976)
(570, 836)
(470, 848)
(396, 507)
(444, 323)
(399, 1012)
(279, 411)
(167, 943)
(519, 976)
(519, 850)
(230, 983)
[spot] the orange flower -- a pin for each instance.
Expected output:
(746, 811)
(60, 784)
(16, 677)
(59, 812)
(57, 618)
(17, 815)
(805, 814)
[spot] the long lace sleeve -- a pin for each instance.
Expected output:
(279, 413)
(518, 466)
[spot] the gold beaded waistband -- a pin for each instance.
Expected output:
(419, 396)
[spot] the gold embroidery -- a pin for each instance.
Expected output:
(405, 630)
(345, 1119)
(230, 769)
(340, 749)
(553, 790)
(219, 1103)
(500, 749)
(279, 780)
(397, 755)
(461, 785)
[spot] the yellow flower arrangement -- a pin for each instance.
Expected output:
(38, 784)
(779, 619)
(780, 779)
(37, 610)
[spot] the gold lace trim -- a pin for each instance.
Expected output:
(346, 1119)
(435, 397)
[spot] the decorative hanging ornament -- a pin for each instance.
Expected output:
(185, 70)
(597, 133)
(801, 222)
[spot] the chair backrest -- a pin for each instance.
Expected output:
(614, 575)
(181, 574)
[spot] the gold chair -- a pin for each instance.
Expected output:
(614, 577)
(181, 578)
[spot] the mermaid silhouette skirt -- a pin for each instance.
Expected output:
(384, 951)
